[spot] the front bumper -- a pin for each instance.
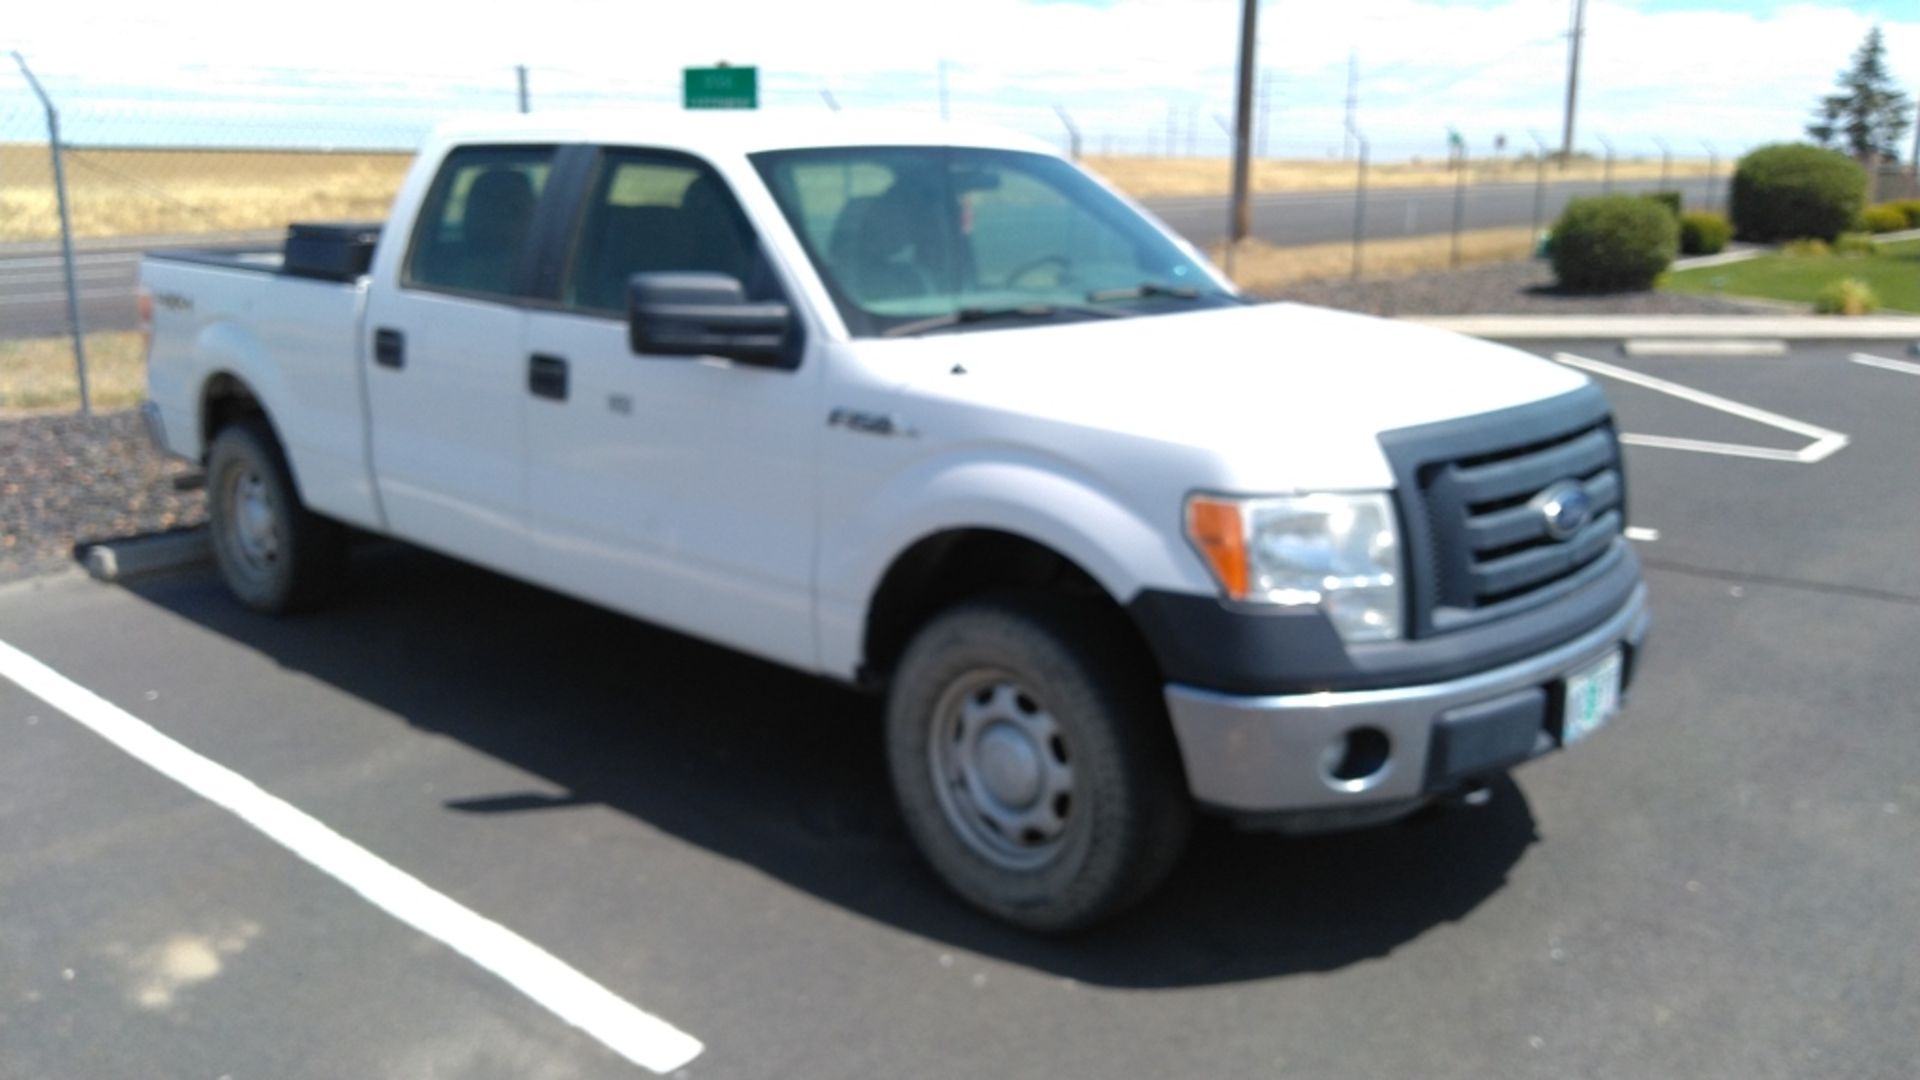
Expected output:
(1277, 753)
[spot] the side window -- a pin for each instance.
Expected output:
(478, 219)
(650, 212)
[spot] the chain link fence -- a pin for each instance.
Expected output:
(235, 155)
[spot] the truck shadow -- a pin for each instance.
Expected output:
(785, 773)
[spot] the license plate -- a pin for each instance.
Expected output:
(1593, 696)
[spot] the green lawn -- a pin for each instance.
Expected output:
(1894, 274)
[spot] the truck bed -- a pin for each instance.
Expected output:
(293, 338)
(329, 251)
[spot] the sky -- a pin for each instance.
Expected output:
(1132, 75)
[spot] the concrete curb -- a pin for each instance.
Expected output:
(1743, 254)
(1696, 262)
(143, 556)
(1783, 327)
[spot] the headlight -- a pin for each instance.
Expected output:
(1339, 552)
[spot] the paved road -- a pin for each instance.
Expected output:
(1328, 217)
(1724, 884)
(33, 284)
(33, 300)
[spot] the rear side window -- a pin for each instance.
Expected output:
(653, 211)
(478, 219)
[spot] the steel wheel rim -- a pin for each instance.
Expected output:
(253, 530)
(1002, 771)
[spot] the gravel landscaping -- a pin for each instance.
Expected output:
(67, 479)
(1524, 287)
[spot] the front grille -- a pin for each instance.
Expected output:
(1471, 494)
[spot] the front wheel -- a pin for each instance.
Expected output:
(274, 554)
(1033, 761)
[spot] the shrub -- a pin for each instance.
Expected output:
(1703, 232)
(1790, 190)
(1668, 199)
(1909, 207)
(1808, 248)
(1854, 243)
(1883, 218)
(1613, 243)
(1848, 296)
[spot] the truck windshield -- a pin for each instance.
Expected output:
(934, 238)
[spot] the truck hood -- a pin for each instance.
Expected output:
(1274, 397)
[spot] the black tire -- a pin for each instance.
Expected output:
(275, 555)
(1024, 668)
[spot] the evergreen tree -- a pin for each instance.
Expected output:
(1869, 114)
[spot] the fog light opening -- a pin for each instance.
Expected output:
(1357, 760)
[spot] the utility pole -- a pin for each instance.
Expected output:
(944, 114)
(1713, 167)
(1266, 111)
(1241, 222)
(520, 72)
(1573, 78)
(66, 233)
(1353, 100)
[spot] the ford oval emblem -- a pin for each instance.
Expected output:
(1565, 507)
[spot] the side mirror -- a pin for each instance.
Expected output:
(700, 314)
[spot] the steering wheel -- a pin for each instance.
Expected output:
(1060, 262)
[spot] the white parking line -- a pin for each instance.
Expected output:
(1825, 443)
(1871, 360)
(1644, 535)
(1659, 347)
(641, 1038)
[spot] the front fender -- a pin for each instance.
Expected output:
(1043, 500)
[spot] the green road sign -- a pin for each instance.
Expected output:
(722, 88)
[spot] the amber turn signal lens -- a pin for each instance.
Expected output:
(1215, 528)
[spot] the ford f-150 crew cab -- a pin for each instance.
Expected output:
(925, 408)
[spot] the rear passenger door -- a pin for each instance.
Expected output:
(678, 489)
(447, 360)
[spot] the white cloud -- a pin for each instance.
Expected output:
(1488, 66)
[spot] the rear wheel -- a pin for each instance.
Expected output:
(1033, 761)
(274, 554)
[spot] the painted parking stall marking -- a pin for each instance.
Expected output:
(638, 1036)
(1905, 367)
(1825, 444)
(1693, 347)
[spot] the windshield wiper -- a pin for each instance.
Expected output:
(1142, 291)
(984, 314)
(1157, 288)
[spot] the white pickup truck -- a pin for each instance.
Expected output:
(925, 408)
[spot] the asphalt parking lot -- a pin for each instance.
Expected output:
(1726, 883)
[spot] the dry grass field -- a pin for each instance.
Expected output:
(1153, 177)
(151, 192)
(1260, 267)
(36, 374)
